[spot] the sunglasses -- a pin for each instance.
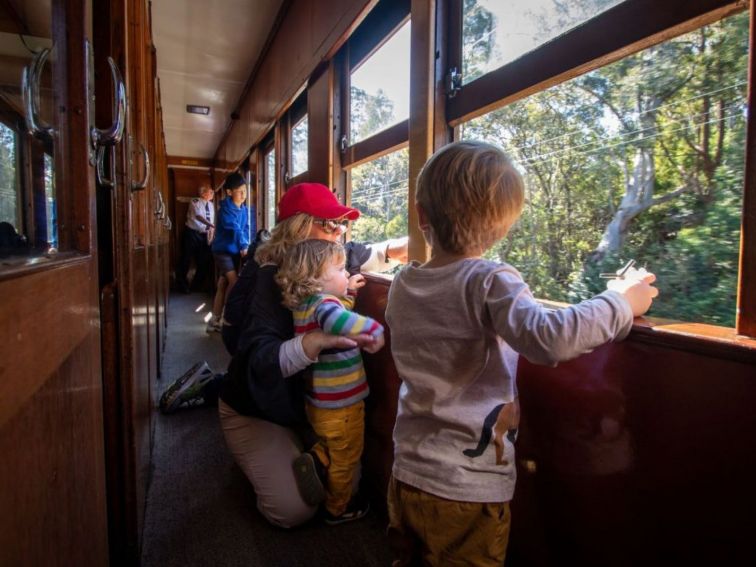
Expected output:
(330, 226)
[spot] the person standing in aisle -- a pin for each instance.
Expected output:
(198, 233)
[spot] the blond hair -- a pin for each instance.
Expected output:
(305, 263)
(284, 235)
(471, 194)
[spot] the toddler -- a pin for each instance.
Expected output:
(458, 324)
(316, 286)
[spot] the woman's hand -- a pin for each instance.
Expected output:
(397, 249)
(315, 341)
(374, 346)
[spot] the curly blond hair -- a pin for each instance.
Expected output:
(472, 195)
(284, 235)
(301, 269)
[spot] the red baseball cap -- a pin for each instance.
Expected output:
(315, 200)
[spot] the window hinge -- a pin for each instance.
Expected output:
(453, 82)
(343, 143)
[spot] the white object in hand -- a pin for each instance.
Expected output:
(632, 275)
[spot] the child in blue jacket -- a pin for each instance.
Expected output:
(230, 243)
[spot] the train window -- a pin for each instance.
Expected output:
(495, 33)
(51, 220)
(642, 159)
(269, 185)
(379, 191)
(299, 147)
(10, 201)
(379, 88)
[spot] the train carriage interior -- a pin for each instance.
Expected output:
(633, 127)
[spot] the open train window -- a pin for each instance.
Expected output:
(639, 159)
(633, 146)
(375, 152)
(299, 148)
(269, 185)
(295, 130)
(379, 191)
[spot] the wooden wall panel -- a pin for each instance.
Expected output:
(52, 469)
(287, 67)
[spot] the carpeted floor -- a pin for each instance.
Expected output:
(201, 509)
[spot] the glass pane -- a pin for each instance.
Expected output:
(12, 241)
(379, 92)
(50, 208)
(299, 147)
(379, 191)
(495, 32)
(641, 159)
(28, 206)
(270, 189)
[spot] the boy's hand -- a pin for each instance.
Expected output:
(376, 344)
(637, 290)
(356, 282)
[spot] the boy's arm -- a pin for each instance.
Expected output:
(547, 336)
(334, 319)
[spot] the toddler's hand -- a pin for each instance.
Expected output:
(375, 345)
(356, 282)
(636, 288)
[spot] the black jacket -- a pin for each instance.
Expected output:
(254, 384)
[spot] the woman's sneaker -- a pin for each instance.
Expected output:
(310, 475)
(213, 326)
(187, 389)
(357, 508)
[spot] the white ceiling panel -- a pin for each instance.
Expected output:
(205, 54)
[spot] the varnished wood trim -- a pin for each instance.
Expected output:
(182, 161)
(720, 342)
(422, 98)
(320, 127)
(622, 30)
(21, 348)
(709, 340)
(391, 139)
(746, 317)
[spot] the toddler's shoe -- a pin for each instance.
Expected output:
(310, 475)
(357, 508)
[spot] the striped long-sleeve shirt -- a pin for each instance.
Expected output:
(338, 377)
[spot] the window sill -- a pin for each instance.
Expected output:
(18, 266)
(720, 342)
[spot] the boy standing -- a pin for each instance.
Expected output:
(458, 323)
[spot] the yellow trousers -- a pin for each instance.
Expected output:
(425, 529)
(341, 433)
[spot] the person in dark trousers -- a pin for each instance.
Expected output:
(198, 232)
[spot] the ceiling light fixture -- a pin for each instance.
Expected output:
(196, 109)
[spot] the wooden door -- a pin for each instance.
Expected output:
(51, 417)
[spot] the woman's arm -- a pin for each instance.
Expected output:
(386, 255)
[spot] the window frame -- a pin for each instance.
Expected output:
(294, 115)
(378, 27)
(577, 52)
(266, 148)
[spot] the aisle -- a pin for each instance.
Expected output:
(201, 509)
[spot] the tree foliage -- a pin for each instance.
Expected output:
(640, 159)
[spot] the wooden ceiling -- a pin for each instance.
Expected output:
(205, 54)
